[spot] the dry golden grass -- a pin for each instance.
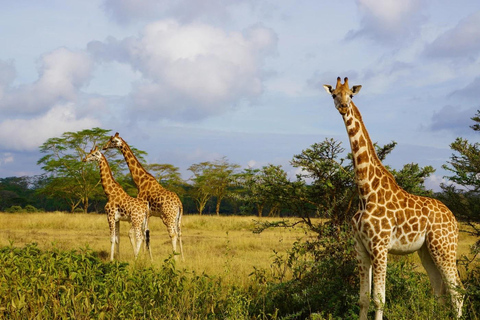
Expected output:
(223, 246)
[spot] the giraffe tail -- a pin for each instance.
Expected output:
(147, 238)
(147, 230)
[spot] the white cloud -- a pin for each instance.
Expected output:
(29, 134)
(6, 157)
(389, 21)
(463, 41)
(61, 74)
(191, 71)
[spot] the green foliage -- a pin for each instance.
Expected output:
(18, 209)
(78, 285)
(332, 190)
(212, 179)
(73, 181)
(323, 281)
(412, 178)
(168, 176)
(463, 196)
(14, 209)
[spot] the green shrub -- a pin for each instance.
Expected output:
(30, 209)
(14, 209)
(77, 284)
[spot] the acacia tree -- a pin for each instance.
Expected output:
(463, 195)
(262, 187)
(212, 179)
(168, 176)
(69, 178)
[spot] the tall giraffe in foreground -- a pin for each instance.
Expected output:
(120, 206)
(391, 220)
(163, 203)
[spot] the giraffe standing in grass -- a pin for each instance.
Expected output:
(163, 203)
(391, 220)
(121, 206)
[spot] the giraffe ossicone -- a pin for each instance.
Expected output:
(163, 203)
(391, 220)
(121, 207)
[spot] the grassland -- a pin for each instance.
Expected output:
(214, 245)
(220, 254)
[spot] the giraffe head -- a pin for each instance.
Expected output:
(342, 95)
(94, 155)
(114, 142)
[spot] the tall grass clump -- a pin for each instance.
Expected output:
(75, 284)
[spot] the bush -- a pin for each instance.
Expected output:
(14, 209)
(78, 285)
(30, 209)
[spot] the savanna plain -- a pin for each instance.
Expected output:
(225, 260)
(215, 245)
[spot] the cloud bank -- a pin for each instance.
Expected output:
(190, 71)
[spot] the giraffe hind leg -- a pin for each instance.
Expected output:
(443, 276)
(433, 273)
(179, 232)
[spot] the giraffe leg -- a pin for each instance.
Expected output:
(379, 275)
(179, 232)
(365, 271)
(444, 258)
(433, 273)
(131, 236)
(139, 237)
(117, 239)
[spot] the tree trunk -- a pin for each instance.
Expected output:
(217, 207)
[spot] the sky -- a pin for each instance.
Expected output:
(189, 81)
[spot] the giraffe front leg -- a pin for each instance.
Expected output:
(365, 271)
(117, 238)
(111, 225)
(139, 238)
(131, 236)
(379, 275)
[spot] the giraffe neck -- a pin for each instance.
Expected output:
(139, 174)
(370, 174)
(110, 186)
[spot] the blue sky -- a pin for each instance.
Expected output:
(195, 80)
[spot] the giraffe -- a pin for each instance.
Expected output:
(121, 206)
(391, 220)
(163, 203)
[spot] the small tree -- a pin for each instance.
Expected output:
(463, 195)
(68, 177)
(168, 176)
(212, 179)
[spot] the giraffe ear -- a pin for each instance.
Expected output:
(356, 89)
(328, 88)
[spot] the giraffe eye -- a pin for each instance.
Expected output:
(334, 96)
(351, 96)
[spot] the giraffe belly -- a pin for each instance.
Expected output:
(120, 215)
(406, 243)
